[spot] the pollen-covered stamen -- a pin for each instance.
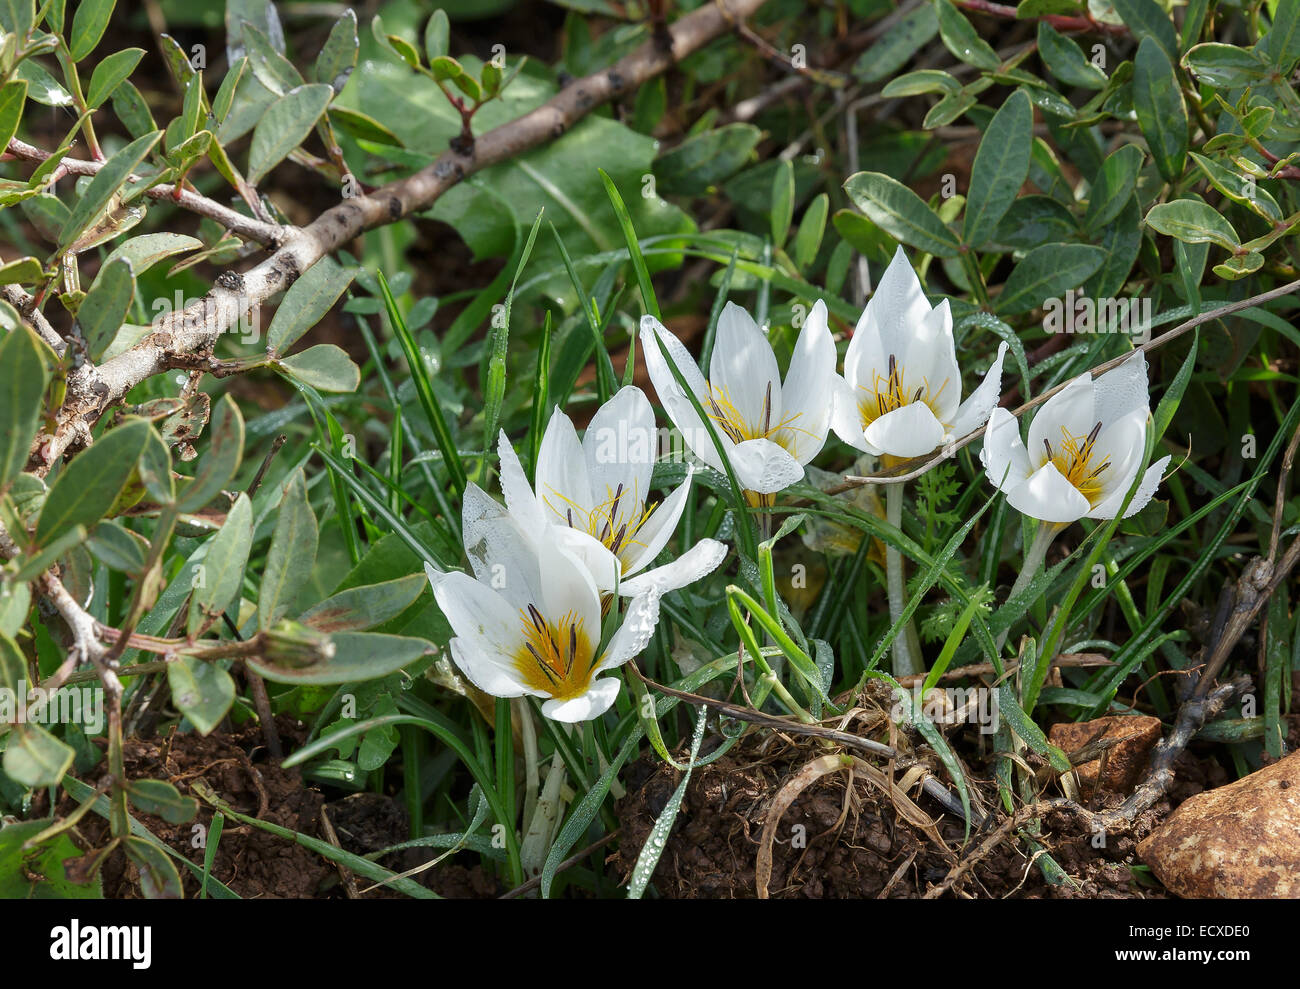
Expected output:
(1075, 462)
(886, 393)
(557, 658)
(613, 522)
(728, 418)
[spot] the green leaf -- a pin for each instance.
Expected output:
(1009, 708)
(161, 799)
(1225, 66)
(1281, 46)
(357, 656)
(1066, 60)
(1193, 222)
(1173, 395)
(1047, 272)
(21, 270)
(217, 468)
(1147, 19)
(111, 73)
(325, 367)
(901, 213)
(13, 665)
(88, 486)
(145, 251)
(812, 228)
(104, 309)
(292, 554)
(703, 160)
(159, 879)
(272, 69)
(628, 229)
(657, 840)
(285, 125)
(107, 182)
(360, 608)
(218, 581)
(40, 873)
(22, 396)
(437, 35)
(338, 56)
(201, 691)
(919, 82)
(118, 548)
(960, 37)
(897, 45)
(13, 96)
(18, 17)
(1240, 188)
(88, 26)
(41, 85)
(1000, 169)
(1161, 113)
(35, 758)
(782, 201)
(1113, 186)
(307, 302)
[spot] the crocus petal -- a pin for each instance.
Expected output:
(671, 395)
(486, 630)
(1071, 409)
(654, 534)
(633, 635)
(520, 500)
(929, 362)
(1122, 389)
(907, 432)
(695, 564)
(743, 368)
(562, 482)
(846, 420)
(1048, 496)
(894, 311)
(620, 446)
(567, 585)
(762, 466)
(603, 566)
(1004, 457)
(808, 385)
(1107, 508)
(598, 699)
(500, 553)
(974, 412)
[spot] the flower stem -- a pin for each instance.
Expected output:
(1034, 557)
(906, 658)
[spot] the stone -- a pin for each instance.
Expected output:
(1125, 763)
(1238, 841)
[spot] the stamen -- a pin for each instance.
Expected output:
(546, 667)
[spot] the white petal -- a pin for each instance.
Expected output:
(846, 420)
(562, 483)
(654, 534)
(520, 500)
(499, 552)
(1107, 508)
(1048, 496)
(671, 395)
(974, 412)
(894, 311)
(1122, 389)
(603, 566)
(632, 636)
(487, 634)
(808, 383)
(620, 447)
(695, 564)
(907, 432)
(567, 586)
(1005, 461)
(762, 466)
(598, 699)
(1069, 410)
(743, 368)
(929, 361)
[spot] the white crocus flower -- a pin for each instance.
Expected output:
(528, 623)
(1085, 448)
(597, 491)
(768, 428)
(901, 392)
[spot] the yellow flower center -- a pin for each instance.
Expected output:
(885, 394)
(1075, 461)
(613, 522)
(556, 659)
(722, 410)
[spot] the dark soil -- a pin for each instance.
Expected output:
(858, 845)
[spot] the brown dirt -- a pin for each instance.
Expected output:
(856, 845)
(253, 863)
